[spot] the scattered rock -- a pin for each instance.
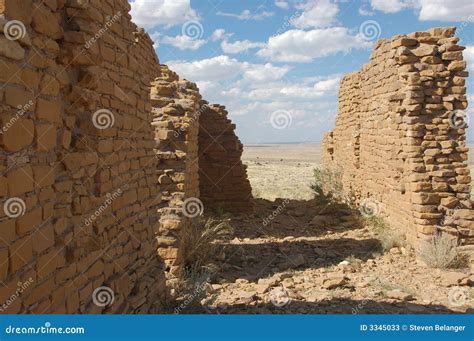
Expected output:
(452, 278)
(397, 294)
(334, 281)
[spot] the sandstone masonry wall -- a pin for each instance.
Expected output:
(98, 149)
(397, 140)
(222, 175)
(175, 108)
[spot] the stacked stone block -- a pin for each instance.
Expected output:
(176, 121)
(397, 139)
(98, 149)
(222, 175)
(87, 184)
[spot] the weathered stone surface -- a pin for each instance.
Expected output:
(396, 146)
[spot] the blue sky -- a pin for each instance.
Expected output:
(276, 64)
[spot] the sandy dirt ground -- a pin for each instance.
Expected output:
(305, 255)
(281, 170)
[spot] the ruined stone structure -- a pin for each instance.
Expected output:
(399, 138)
(98, 150)
(222, 176)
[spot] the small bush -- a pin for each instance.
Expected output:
(327, 183)
(199, 241)
(441, 252)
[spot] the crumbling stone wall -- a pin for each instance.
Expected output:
(98, 149)
(399, 138)
(223, 176)
(175, 109)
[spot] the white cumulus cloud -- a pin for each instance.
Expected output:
(281, 4)
(316, 14)
(239, 46)
(168, 13)
(247, 15)
(183, 42)
(305, 46)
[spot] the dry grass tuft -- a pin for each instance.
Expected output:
(199, 241)
(441, 252)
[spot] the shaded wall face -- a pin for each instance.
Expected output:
(223, 179)
(395, 138)
(77, 159)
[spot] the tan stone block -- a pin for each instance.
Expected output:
(3, 264)
(43, 238)
(43, 175)
(29, 221)
(7, 232)
(21, 252)
(49, 110)
(49, 86)
(19, 10)
(424, 198)
(46, 22)
(18, 133)
(20, 180)
(11, 49)
(45, 137)
(17, 97)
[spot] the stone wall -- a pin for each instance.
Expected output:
(175, 106)
(399, 138)
(222, 175)
(98, 149)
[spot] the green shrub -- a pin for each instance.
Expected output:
(327, 183)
